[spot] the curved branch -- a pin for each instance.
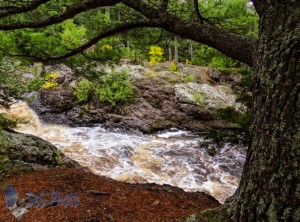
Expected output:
(26, 8)
(232, 45)
(34, 58)
(109, 32)
(71, 11)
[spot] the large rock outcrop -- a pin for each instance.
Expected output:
(185, 99)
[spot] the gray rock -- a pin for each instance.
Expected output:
(28, 76)
(66, 74)
(29, 95)
(210, 97)
(58, 100)
(31, 149)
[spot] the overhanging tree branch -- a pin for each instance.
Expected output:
(106, 33)
(232, 45)
(27, 8)
(71, 11)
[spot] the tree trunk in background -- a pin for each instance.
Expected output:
(191, 51)
(119, 15)
(176, 50)
(128, 45)
(270, 185)
(170, 54)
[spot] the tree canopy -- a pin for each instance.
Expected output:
(56, 30)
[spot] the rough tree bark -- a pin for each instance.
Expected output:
(270, 186)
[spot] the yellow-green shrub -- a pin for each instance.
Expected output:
(50, 81)
(50, 85)
(156, 54)
(173, 67)
(51, 76)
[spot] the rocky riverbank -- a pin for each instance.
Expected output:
(190, 98)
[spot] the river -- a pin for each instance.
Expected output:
(173, 157)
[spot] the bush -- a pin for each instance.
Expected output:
(35, 84)
(50, 85)
(10, 79)
(5, 123)
(156, 54)
(115, 88)
(188, 78)
(51, 77)
(50, 81)
(84, 90)
(173, 67)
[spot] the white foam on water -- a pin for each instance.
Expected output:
(173, 158)
(172, 134)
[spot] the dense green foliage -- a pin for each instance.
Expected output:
(235, 15)
(84, 90)
(116, 87)
(10, 79)
(36, 83)
(112, 87)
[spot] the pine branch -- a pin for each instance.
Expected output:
(71, 11)
(10, 10)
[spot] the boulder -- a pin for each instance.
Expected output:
(30, 149)
(58, 100)
(206, 96)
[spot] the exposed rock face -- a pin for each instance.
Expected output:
(206, 96)
(164, 99)
(31, 149)
(58, 100)
(26, 153)
(66, 74)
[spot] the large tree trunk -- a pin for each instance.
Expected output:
(270, 186)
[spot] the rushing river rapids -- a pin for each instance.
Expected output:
(174, 157)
